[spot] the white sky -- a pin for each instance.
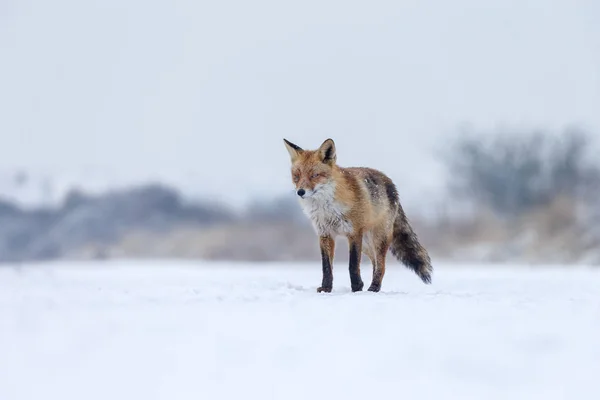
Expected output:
(203, 92)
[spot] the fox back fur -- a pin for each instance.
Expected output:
(361, 204)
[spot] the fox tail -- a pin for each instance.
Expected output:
(407, 249)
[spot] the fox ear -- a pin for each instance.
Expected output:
(293, 149)
(327, 151)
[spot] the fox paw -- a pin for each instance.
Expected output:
(374, 288)
(324, 289)
(357, 287)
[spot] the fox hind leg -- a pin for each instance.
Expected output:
(370, 250)
(379, 265)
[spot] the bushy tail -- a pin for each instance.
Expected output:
(407, 249)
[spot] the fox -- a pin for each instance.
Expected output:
(361, 204)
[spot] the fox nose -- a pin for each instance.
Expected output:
(301, 192)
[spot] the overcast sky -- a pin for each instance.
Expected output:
(204, 91)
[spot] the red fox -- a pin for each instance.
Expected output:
(361, 204)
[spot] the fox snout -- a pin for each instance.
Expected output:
(305, 192)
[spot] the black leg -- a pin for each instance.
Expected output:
(355, 244)
(327, 250)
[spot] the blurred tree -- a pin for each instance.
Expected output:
(513, 172)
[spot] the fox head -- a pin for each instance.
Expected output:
(312, 169)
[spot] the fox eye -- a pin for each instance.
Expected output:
(296, 177)
(315, 176)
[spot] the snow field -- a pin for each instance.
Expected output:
(177, 330)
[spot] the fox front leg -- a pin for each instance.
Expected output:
(327, 249)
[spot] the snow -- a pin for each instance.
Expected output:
(193, 330)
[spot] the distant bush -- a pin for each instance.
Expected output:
(85, 219)
(511, 173)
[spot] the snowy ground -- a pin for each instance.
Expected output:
(198, 331)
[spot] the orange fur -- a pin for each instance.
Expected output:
(359, 203)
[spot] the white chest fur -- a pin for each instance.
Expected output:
(326, 214)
